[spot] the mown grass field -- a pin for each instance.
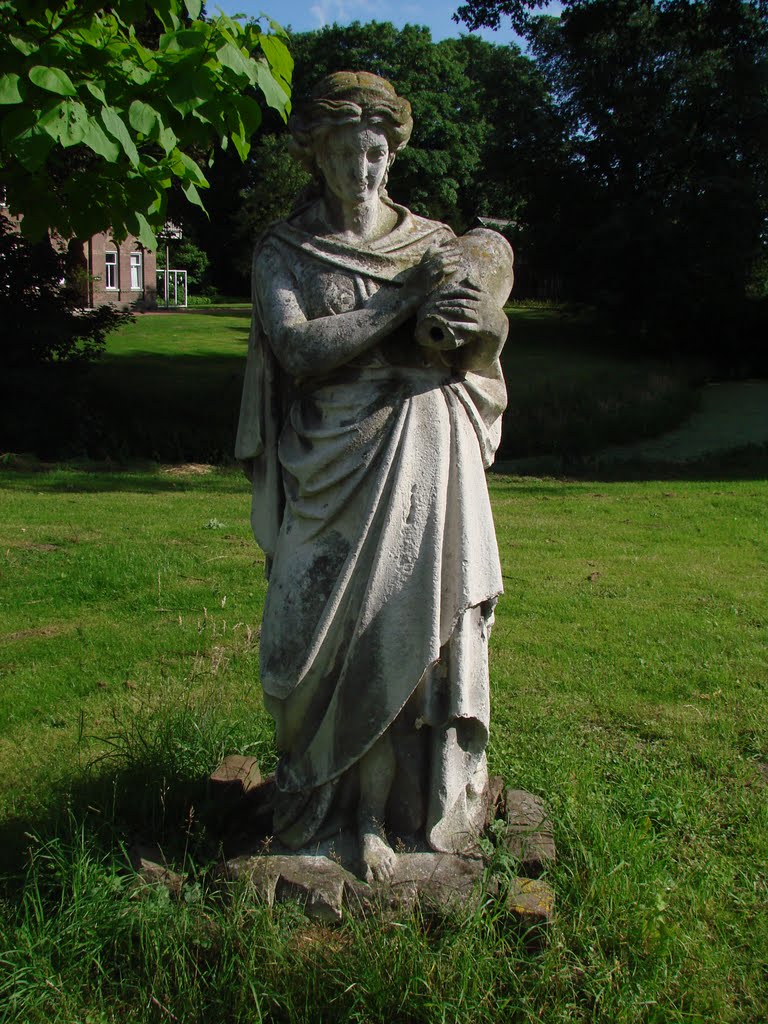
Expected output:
(630, 688)
(168, 389)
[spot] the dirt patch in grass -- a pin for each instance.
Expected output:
(29, 545)
(188, 469)
(28, 634)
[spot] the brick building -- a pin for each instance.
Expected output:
(122, 274)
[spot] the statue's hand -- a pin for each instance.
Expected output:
(437, 263)
(465, 306)
(463, 320)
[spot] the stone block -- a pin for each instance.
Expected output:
(494, 797)
(235, 776)
(436, 881)
(147, 862)
(239, 800)
(315, 882)
(531, 901)
(529, 834)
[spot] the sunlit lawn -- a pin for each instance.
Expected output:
(630, 687)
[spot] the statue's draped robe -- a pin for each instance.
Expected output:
(370, 502)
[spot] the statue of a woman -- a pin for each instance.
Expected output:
(367, 452)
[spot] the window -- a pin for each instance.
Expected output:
(137, 276)
(110, 270)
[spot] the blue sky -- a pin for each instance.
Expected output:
(304, 15)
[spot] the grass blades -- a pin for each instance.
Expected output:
(630, 688)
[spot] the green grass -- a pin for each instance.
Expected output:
(630, 688)
(211, 333)
(168, 389)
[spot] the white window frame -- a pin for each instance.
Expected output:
(137, 271)
(111, 270)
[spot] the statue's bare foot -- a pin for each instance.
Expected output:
(378, 857)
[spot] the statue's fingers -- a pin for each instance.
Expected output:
(455, 313)
(446, 306)
(464, 290)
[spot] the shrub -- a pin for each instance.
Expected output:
(42, 306)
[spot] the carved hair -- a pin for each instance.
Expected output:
(349, 97)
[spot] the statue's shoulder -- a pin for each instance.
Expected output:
(424, 224)
(299, 222)
(417, 225)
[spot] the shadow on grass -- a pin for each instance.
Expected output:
(748, 463)
(106, 477)
(152, 788)
(27, 474)
(243, 312)
(113, 808)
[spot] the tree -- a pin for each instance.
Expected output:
(666, 107)
(187, 256)
(41, 306)
(99, 120)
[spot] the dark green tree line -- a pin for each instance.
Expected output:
(666, 109)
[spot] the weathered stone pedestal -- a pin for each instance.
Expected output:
(324, 880)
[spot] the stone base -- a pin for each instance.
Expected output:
(324, 878)
(327, 890)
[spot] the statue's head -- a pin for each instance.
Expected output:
(347, 105)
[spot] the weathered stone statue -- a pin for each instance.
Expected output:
(371, 410)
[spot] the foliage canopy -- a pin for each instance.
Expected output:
(665, 109)
(104, 108)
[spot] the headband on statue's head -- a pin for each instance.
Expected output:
(350, 97)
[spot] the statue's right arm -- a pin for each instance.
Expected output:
(306, 348)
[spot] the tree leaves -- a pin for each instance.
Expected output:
(278, 56)
(230, 57)
(275, 94)
(95, 138)
(116, 127)
(143, 118)
(9, 89)
(90, 95)
(52, 80)
(664, 107)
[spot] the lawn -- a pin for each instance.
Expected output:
(168, 389)
(630, 688)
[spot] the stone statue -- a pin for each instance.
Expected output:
(371, 409)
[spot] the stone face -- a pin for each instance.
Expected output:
(529, 836)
